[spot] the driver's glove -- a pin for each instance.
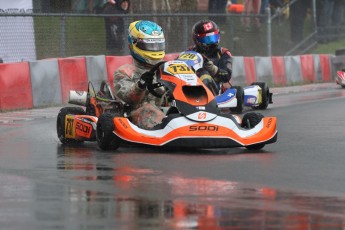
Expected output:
(223, 75)
(210, 67)
(145, 79)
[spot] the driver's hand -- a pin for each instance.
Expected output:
(210, 67)
(145, 79)
(223, 75)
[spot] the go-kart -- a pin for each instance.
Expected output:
(340, 79)
(192, 119)
(257, 95)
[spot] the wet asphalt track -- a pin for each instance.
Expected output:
(296, 183)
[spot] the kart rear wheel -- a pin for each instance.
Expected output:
(60, 123)
(106, 139)
(250, 120)
(265, 95)
(240, 98)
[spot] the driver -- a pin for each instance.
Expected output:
(146, 43)
(217, 60)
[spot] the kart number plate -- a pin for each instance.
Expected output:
(179, 69)
(188, 56)
(69, 127)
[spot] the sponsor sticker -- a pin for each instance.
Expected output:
(83, 129)
(123, 123)
(203, 128)
(202, 116)
(269, 123)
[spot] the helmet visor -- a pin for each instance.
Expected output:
(208, 39)
(151, 44)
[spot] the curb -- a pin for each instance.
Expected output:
(303, 88)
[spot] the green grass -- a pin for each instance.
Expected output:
(80, 35)
(329, 48)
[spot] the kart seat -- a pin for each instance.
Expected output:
(105, 91)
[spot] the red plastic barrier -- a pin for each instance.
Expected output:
(114, 62)
(73, 75)
(307, 67)
(325, 68)
(249, 67)
(279, 72)
(15, 86)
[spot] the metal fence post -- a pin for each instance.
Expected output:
(269, 32)
(315, 17)
(63, 36)
(186, 32)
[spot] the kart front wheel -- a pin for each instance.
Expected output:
(265, 95)
(240, 98)
(60, 123)
(106, 139)
(249, 121)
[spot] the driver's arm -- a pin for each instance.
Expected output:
(225, 61)
(126, 87)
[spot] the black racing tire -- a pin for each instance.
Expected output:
(60, 123)
(250, 120)
(240, 98)
(256, 146)
(106, 139)
(265, 95)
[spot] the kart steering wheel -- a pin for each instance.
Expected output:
(152, 86)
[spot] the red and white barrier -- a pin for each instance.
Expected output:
(45, 81)
(73, 75)
(283, 71)
(278, 71)
(48, 82)
(15, 86)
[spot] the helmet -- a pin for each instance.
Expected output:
(146, 42)
(205, 35)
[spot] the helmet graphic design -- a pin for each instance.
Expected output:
(146, 42)
(205, 34)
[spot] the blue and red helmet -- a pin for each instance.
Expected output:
(205, 34)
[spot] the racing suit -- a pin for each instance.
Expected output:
(219, 58)
(144, 107)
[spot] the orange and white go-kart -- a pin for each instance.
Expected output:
(192, 120)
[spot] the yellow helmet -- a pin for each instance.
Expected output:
(146, 42)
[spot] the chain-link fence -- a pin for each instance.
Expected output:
(30, 36)
(63, 35)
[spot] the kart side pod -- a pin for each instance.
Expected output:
(252, 95)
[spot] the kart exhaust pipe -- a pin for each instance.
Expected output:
(78, 97)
